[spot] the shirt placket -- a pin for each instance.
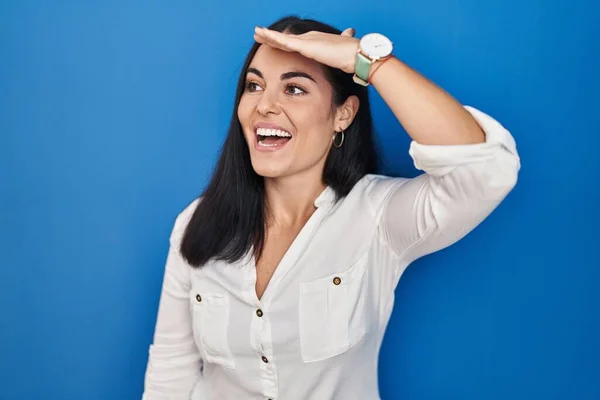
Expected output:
(260, 327)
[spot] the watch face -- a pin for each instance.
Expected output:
(376, 45)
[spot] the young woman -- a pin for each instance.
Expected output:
(280, 278)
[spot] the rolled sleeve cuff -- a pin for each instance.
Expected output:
(441, 159)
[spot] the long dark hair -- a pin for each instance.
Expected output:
(230, 217)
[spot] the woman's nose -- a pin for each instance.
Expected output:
(268, 103)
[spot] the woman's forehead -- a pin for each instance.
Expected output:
(274, 61)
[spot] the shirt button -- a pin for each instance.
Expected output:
(265, 360)
(259, 312)
(198, 298)
(337, 280)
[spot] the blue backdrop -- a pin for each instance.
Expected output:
(111, 119)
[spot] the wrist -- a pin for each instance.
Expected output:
(373, 51)
(377, 64)
(352, 61)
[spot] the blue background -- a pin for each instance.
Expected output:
(111, 118)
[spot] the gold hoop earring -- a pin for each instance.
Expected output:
(341, 142)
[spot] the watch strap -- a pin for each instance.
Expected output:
(362, 66)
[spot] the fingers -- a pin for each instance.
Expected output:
(348, 32)
(275, 39)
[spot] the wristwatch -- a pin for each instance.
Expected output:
(372, 47)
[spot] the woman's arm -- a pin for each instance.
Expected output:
(471, 164)
(462, 185)
(428, 113)
(174, 364)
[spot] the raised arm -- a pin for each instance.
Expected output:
(462, 185)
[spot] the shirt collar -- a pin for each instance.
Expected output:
(326, 198)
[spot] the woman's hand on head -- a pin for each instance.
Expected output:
(337, 51)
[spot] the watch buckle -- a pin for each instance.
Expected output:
(358, 80)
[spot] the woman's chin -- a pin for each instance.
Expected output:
(269, 170)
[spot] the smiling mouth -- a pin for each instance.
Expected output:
(272, 138)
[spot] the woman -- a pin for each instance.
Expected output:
(280, 280)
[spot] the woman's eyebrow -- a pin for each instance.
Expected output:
(297, 74)
(284, 76)
(255, 72)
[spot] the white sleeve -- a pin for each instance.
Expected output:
(461, 186)
(174, 363)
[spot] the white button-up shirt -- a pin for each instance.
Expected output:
(317, 330)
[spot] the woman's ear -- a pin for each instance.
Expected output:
(346, 112)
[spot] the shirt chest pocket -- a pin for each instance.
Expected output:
(332, 311)
(210, 322)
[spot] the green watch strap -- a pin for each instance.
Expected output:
(362, 66)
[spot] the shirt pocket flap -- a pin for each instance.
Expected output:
(342, 279)
(209, 298)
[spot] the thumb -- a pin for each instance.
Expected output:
(348, 32)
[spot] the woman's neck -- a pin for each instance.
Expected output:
(290, 200)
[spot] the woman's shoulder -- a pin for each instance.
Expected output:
(186, 213)
(183, 218)
(372, 190)
(376, 187)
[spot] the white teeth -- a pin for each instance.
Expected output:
(261, 144)
(272, 132)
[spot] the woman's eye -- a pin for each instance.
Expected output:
(295, 90)
(252, 86)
